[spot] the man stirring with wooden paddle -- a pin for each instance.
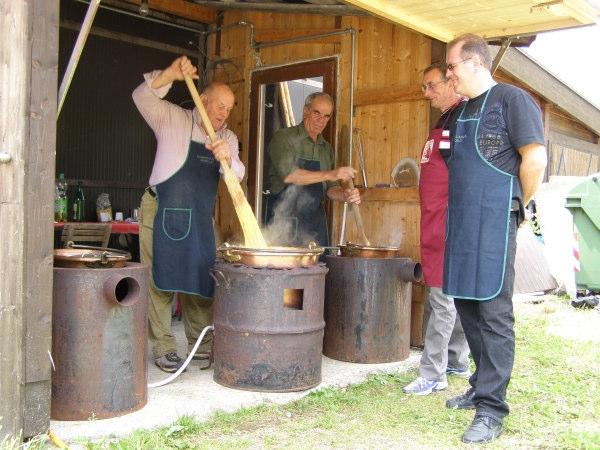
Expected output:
(302, 173)
(176, 232)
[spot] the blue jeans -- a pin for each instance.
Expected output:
(489, 329)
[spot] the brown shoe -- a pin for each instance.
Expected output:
(170, 362)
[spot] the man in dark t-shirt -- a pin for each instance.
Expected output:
(496, 163)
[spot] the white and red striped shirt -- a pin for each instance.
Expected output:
(172, 125)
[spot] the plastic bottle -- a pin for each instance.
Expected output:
(60, 199)
(79, 204)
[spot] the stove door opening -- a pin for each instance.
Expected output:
(293, 298)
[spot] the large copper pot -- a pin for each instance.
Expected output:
(272, 257)
(364, 251)
(84, 256)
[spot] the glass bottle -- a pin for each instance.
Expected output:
(79, 204)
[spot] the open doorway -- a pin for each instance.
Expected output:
(276, 101)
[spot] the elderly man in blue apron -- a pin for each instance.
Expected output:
(496, 165)
(301, 174)
(176, 230)
(445, 350)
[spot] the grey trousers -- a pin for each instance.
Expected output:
(445, 343)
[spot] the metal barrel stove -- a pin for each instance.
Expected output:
(367, 308)
(99, 341)
(268, 327)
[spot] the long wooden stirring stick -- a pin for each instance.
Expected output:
(250, 228)
(358, 217)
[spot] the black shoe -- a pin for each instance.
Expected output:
(463, 401)
(482, 429)
(169, 362)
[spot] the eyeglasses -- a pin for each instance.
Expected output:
(430, 85)
(319, 115)
(452, 66)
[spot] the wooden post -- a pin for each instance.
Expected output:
(40, 163)
(27, 127)
(14, 127)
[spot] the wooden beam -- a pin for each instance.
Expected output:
(558, 23)
(39, 212)
(15, 28)
(394, 12)
(519, 65)
(182, 8)
(277, 6)
(574, 143)
(381, 96)
(406, 195)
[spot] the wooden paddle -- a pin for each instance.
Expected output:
(250, 228)
(358, 217)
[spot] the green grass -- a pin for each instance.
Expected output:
(554, 398)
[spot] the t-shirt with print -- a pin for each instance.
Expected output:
(446, 120)
(511, 120)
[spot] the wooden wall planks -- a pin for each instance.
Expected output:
(390, 111)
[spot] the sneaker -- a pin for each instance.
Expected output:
(423, 386)
(482, 429)
(169, 362)
(466, 373)
(463, 401)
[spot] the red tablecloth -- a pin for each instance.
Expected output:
(116, 227)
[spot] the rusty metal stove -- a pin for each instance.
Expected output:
(367, 308)
(99, 341)
(268, 327)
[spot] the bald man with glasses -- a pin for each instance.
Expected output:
(445, 351)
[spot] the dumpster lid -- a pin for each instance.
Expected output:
(589, 193)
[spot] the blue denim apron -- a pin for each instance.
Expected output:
(479, 205)
(304, 209)
(183, 238)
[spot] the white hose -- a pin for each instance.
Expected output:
(185, 363)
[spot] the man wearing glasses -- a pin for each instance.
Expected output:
(445, 350)
(496, 165)
(301, 173)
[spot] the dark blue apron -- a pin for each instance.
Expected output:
(183, 238)
(479, 207)
(304, 209)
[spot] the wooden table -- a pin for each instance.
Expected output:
(129, 230)
(116, 227)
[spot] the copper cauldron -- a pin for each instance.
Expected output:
(365, 251)
(85, 256)
(272, 257)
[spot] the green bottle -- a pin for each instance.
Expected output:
(79, 204)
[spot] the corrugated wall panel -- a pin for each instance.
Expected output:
(101, 137)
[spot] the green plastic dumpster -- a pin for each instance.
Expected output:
(584, 203)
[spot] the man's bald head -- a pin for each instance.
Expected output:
(218, 100)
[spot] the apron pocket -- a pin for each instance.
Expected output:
(177, 223)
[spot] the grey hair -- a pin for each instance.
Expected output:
(438, 65)
(311, 97)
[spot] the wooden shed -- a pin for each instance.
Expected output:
(369, 55)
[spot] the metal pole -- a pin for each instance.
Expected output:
(503, 48)
(76, 54)
(351, 127)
